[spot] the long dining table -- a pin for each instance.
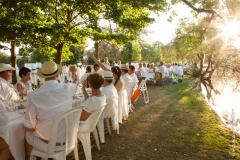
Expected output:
(13, 133)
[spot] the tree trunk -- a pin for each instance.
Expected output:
(14, 60)
(130, 54)
(96, 49)
(59, 53)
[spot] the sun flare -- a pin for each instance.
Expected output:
(231, 29)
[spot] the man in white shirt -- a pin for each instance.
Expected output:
(96, 67)
(160, 73)
(7, 91)
(144, 69)
(126, 78)
(44, 105)
(110, 92)
(132, 74)
(4, 148)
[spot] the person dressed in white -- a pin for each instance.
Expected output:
(118, 84)
(132, 74)
(4, 148)
(24, 86)
(119, 64)
(74, 78)
(180, 71)
(144, 69)
(95, 101)
(127, 85)
(160, 73)
(110, 92)
(43, 105)
(170, 70)
(175, 69)
(106, 63)
(85, 75)
(96, 67)
(3, 114)
(7, 91)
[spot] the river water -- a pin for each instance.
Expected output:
(223, 96)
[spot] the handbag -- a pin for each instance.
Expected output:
(135, 95)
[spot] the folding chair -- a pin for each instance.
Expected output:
(143, 88)
(71, 118)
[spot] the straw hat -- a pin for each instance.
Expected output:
(5, 67)
(125, 66)
(106, 74)
(49, 69)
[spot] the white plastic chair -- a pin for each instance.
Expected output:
(133, 87)
(143, 88)
(71, 118)
(85, 136)
(105, 117)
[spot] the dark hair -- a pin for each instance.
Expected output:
(125, 70)
(108, 80)
(95, 65)
(24, 71)
(116, 70)
(132, 67)
(89, 68)
(96, 80)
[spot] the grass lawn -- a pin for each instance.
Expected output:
(176, 124)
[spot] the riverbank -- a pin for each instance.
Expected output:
(177, 123)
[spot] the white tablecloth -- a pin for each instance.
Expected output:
(149, 76)
(13, 133)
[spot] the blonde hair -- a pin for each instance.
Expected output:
(72, 67)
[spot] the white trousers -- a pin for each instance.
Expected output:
(38, 144)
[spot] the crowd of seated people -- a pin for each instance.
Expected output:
(117, 83)
(55, 97)
(163, 71)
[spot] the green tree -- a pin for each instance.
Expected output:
(4, 58)
(16, 23)
(42, 56)
(78, 52)
(136, 52)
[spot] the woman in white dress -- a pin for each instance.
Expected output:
(24, 86)
(93, 102)
(74, 78)
(122, 92)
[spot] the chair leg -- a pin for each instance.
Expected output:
(100, 126)
(76, 151)
(85, 139)
(108, 125)
(95, 135)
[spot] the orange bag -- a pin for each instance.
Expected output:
(135, 95)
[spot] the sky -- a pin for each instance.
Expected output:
(161, 30)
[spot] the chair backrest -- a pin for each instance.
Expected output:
(143, 85)
(93, 119)
(71, 118)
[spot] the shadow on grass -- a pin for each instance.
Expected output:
(175, 124)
